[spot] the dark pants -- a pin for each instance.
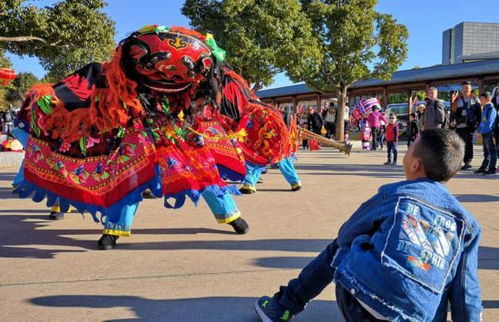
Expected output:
(314, 278)
(331, 128)
(305, 144)
(410, 140)
(489, 152)
(467, 135)
(391, 147)
(375, 132)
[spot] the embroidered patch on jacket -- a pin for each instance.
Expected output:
(423, 242)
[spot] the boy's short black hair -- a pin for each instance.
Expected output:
(413, 115)
(466, 83)
(441, 152)
(487, 95)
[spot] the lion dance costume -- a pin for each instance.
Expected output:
(166, 113)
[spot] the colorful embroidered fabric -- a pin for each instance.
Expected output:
(101, 136)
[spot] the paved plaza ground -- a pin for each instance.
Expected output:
(182, 266)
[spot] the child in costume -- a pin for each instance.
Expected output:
(365, 135)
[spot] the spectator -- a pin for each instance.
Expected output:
(314, 121)
(412, 129)
(365, 134)
(346, 120)
(434, 113)
(329, 117)
(374, 119)
(392, 137)
(465, 118)
(382, 132)
(495, 101)
(405, 254)
(420, 112)
(303, 124)
(487, 128)
(495, 97)
(8, 121)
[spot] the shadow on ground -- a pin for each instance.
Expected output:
(25, 231)
(488, 258)
(477, 198)
(217, 309)
(8, 176)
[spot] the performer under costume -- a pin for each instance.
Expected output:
(103, 135)
(254, 170)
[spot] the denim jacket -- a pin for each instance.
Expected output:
(488, 122)
(409, 251)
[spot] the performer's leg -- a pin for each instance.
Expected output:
(118, 222)
(22, 136)
(20, 176)
(289, 172)
(225, 210)
(55, 212)
(253, 173)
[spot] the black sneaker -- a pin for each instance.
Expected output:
(489, 172)
(107, 242)
(269, 310)
(54, 215)
(296, 186)
(247, 189)
(466, 166)
(480, 170)
(147, 194)
(240, 226)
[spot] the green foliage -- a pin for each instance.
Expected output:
(19, 87)
(72, 33)
(357, 43)
(262, 37)
(4, 61)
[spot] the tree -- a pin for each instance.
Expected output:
(262, 37)
(4, 63)
(357, 43)
(63, 36)
(19, 87)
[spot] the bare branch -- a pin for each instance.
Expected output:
(22, 38)
(27, 38)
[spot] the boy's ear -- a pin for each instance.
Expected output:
(417, 165)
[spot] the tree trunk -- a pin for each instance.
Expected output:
(341, 94)
(257, 86)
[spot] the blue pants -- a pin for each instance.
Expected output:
(392, 147)
(22, 136)
(489, 152)
(313, 279)
(286, 167)
(119, 220)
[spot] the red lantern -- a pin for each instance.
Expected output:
(6, 75)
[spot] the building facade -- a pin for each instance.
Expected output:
(470, 41)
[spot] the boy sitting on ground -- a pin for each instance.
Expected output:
(404, 255)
